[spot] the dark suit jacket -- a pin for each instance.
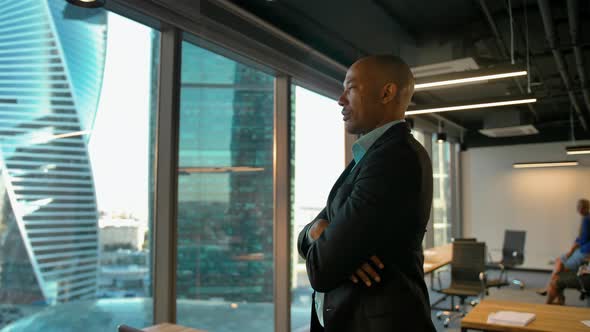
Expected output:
(381, 207)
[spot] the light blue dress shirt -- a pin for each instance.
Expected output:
(359, 149)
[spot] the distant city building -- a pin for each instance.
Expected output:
(121, 233)
(48, 216)
(225, 219)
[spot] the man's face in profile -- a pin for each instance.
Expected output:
(359, 101)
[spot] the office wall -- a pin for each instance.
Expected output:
(540, 201)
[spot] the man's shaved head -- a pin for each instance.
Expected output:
(377, 90)
(389, 69)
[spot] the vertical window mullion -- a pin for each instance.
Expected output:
(282, 205)
(457, 223)
(165, 198)
(429, 243)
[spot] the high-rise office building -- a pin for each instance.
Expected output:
(225, 210)
(52, 59)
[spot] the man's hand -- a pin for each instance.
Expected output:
(318, 228)
(366, 272)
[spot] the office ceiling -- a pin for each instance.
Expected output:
(425, 32)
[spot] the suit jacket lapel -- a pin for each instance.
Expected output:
(396, 132)
(337, 185)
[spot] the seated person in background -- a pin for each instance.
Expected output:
(576, 256)
(568, 279)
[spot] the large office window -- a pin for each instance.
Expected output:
(225, 194)
(317, 161)
(75, 107)
(442, 211)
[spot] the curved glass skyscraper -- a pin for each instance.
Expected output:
(51, 65)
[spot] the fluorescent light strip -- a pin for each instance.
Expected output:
(546, 164)
(579, 149)
(469, 80)
(472, 106)
(579, 152)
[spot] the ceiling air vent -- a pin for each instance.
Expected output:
(507, 123)
(510, 131)
(447, 67)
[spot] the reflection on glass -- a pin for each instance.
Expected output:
(318, 160)
(225, 194)
(63, 247)
(441, 201)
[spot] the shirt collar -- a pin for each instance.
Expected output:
(362, 145)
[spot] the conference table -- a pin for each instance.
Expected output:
(437, 257)
(167, 327)
(549, 318)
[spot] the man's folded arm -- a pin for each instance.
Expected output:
(304, 241)
(359, 228)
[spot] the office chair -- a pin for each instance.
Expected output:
(437, 273)
(127, 328)
(467, 277)
(512, 256)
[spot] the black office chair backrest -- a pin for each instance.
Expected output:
(513, 247)
(465, 239)
(469, 260)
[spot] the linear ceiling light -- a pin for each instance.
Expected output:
(422, 86)
(580, 149)
(546, 164)
(471, 106)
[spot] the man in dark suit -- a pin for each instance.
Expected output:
(363, 252)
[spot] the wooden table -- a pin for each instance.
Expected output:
(167, 327)
(549, 318)
(437, 257)
(434, 259)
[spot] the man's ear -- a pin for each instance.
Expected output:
(388, 93)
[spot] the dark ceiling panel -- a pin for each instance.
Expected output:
(425, 31)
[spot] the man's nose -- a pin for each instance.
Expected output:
(342, 101)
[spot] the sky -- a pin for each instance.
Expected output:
(118, 145)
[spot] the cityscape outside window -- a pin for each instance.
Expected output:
(225, 194)
(318, 159)
(76, 99)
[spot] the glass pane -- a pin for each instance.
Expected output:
(441, 202)
(76, 101)
(225, 194)
(317, 163)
